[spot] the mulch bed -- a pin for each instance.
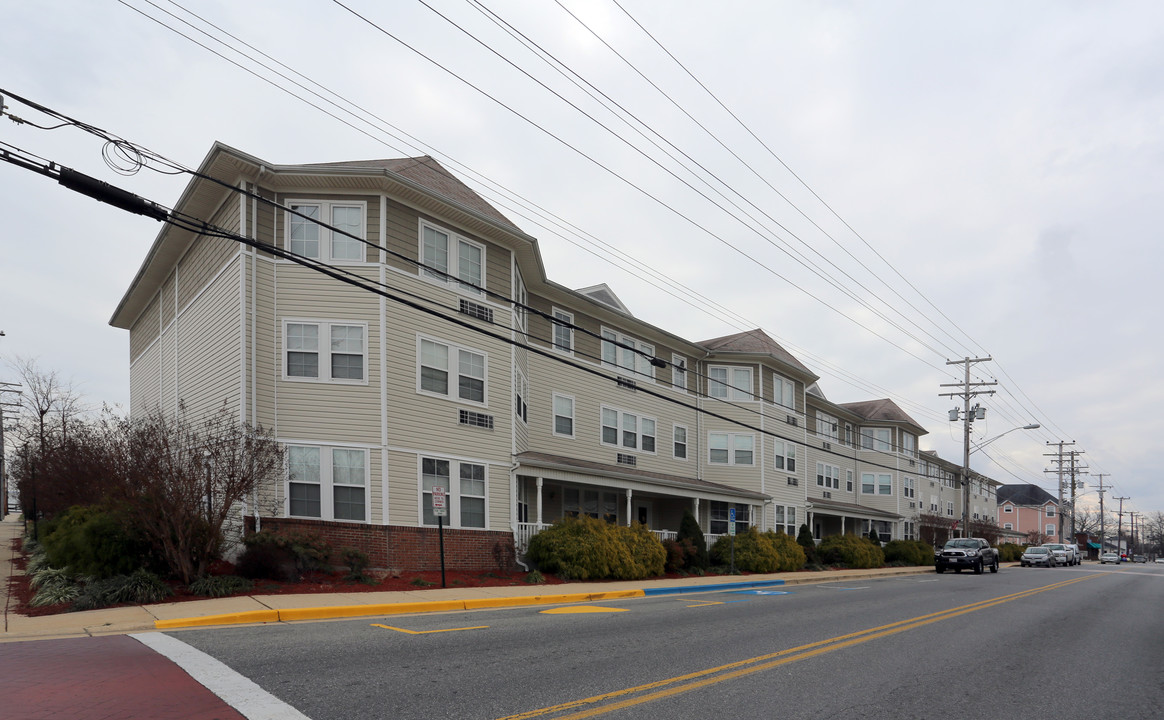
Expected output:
(20, 594)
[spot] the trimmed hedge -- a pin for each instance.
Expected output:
(762, 552)
(850, 551)
(1010, 552)
(585, 548)
(908, 552)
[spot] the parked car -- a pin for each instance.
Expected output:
(966, 554)
(1160, 560)
(1140, 558)
(1038, 556)
(1065, 554)
(1109, 558)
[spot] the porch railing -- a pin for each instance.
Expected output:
(525, 531)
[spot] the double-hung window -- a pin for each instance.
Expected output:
(731, 448)
(720, 515)
(465, 501)
(1050, 511)
(877, 483)
(324, 351)
(783, 392)
(730, 383)
(450, 258)
(452, 371)
(626, 353)
(592, 503)
(828, 476)
(909, 444)
(907, 488)
(307, 237)
(563, 415)
(826, 426)
(785, 455)
(679, 372)
(563, 331)
(879, 439)
(628, 430)
(329, 483)
(680, 438)
(786, 519)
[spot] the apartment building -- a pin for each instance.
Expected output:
(435, 354)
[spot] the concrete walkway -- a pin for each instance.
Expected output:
(255, 609)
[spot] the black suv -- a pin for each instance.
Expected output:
(966, 554)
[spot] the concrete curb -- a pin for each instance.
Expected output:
(406, 608)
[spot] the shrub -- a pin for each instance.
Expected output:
(140, 587)
(680, 554)
(535, 577)
(304, 551)
(267, 561)
(586, 548)
(55, 595)
(50, 577)
(94, 541)
(850, 551)
(220, 585)
(908, 552)
(357, 562)
(806, 542)
(689, 530)
(1010, 552)
(757, 551)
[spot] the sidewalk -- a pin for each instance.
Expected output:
(252, 609)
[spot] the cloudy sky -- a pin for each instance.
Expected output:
(882, 187)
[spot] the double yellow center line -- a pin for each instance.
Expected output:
(693, 681)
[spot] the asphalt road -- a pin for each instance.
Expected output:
(1084, 642)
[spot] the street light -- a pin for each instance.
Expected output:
(966, 471)
(979, 446)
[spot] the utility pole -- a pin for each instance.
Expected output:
(1120, 527)
(1058, 455)
(1101, 488)
(968, 418)
(5, 387)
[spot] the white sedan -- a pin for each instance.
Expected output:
(1109, 558)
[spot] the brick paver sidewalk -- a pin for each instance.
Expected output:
(113, 677)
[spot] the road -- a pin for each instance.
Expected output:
(1081, 642)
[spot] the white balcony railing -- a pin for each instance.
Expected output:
(525, 531)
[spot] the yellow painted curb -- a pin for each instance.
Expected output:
(617, 594)
(343, 611)
(250, 616)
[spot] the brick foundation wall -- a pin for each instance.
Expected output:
(399, 548)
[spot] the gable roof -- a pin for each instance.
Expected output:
(430, 174)
(755, 342)
(884, 410)
(1024, 494)
(603, 294)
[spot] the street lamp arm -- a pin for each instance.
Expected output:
(979, 446)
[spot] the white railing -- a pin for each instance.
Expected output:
(525, 531)
(666, 534)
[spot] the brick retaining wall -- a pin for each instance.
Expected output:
(396, 547)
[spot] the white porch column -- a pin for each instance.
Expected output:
(629, 516)
(539, 481)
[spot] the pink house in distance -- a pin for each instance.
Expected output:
(1025, 508)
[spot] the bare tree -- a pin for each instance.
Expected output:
(934, 529)
(180, 480)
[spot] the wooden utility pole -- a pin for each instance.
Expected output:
(967, 420)
(1102, 519)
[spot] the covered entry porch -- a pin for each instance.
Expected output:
(548, 488)
(829, 517)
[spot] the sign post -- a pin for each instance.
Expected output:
(732, 533)
(440, 509)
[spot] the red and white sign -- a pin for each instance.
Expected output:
(438, 502)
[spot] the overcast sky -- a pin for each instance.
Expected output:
(984, 179)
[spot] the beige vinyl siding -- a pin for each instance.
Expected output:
(769, 385)
(404, 489)
(266, 358)
(402, 236)
(264, 218)
(144, 332)
(499, 493)
(168, 369)
(145, 382)
(275, 222)
(207, 256)
(209, 346)
(168, 305)
(521, 433)
(591, 393)
(327, 411)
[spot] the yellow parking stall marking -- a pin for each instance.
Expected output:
(706, 603)
(428, 632)
(581, 609)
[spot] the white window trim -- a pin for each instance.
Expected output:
(828, 476)
(325, 235)
(451, 279)
(452, 493)
(326, 483)
(732, 449)
(785, 455)
(554, 415)
(643, 370)
(732, 392)
(554, 327)
(679, 373)
(779, 382)
(454, 372)
(639, 434)
(832, 426)
(686, 443)
(324, 351)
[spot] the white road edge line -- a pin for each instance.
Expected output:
(237, 691)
